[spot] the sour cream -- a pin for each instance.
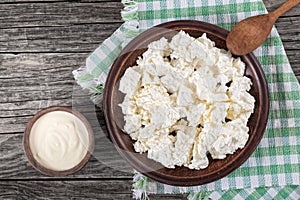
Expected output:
(59, 140)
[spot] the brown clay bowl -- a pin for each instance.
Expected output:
(182, 176)
(36, 164)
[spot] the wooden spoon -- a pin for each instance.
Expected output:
(250, 33)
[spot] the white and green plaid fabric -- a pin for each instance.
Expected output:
(272, 172)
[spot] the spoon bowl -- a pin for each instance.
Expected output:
(250, 33)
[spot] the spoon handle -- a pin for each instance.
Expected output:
(284, 8)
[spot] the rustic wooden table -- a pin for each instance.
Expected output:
(41, 42)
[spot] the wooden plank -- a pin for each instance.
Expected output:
(33, 77)
(294, 58)
(289, 31)
(58, 14)
(15, 120)
(50, 67)
(15, 116)
(37, 72)
(271, 5)
(101, 189)
(86, 38)
(30, 82)
(75, 38)
(105, 163)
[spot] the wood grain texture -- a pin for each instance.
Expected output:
(40, 72)
(58, 14)
(104, 189)
(288, 29)
(30, 82)
(41, 42)
(94, 189)
(74, 38)
(105, 163)
(273, 5)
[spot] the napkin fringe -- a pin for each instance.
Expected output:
(131, 20)
(140, 194)
(197, 196)
(141, 190)
(93, 86)
(140, 187)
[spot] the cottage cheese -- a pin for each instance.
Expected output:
(186, 99)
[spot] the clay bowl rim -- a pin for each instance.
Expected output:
(114, 131)
(39, 167)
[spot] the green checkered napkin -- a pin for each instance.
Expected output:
(272, 172)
